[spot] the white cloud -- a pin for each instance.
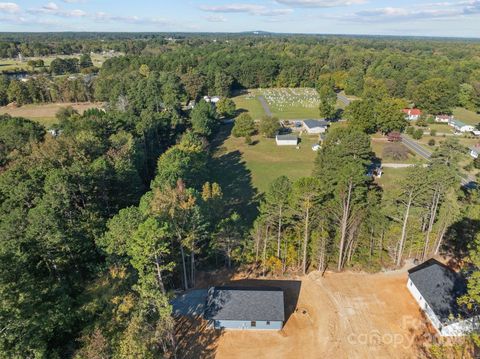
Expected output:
(9, 7)
(51, 6)
(420, 12)
(103, 16)
(54, 10)
(216, 18)
(251, 9)
(320, 3)
(472, 7)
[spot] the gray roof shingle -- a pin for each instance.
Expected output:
(286, 138)
(245, 304)
(440, 286)
(315, 123)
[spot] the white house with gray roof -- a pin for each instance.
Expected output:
(436, 289)
(255, 308)
(315, 127)
(460, 126)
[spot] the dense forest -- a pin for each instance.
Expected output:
(103, 220)
(407, 69)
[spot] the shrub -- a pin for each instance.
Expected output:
(433, 133)
(422, 123)
(431, 142)
(248, 140)
(244, 126)
(410, 130)
(394, 136)
(395, 151)
(476, 163)
(269, 126)
(417, 134)
(226, 107)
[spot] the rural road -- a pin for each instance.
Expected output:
(422, 152)
(343, 99)
(398, 165)
(417, 148)
(265, 106)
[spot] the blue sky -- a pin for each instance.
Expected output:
(421, 18)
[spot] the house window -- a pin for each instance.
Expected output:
(253, 324)
(268, 322)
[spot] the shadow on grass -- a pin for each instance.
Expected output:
(231, 173)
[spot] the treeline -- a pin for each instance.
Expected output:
(56, 197)
(412, 70)
(44, 89)
(340, 218)
(101, 221)
(434, 75)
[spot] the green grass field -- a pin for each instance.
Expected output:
(45, 113)
(249, 103)
(392, 178)
(264, 161)
(466, 116)
(378, 146)
(285, 103)
(7, 65)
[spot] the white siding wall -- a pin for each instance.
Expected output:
(237, 324)
(424, 305)
(287, 143)
(458, 328)
(316, 130)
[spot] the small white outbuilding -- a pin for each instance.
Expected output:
(286, 140)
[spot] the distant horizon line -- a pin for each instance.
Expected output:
(251, 32)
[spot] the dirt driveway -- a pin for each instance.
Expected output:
(343, 315)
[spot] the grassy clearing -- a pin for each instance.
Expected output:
(45, 113)
(7, 65)
(439, 127)
(466, 116)
(249, 103)
(378, 146)
(292, 103)
(285, 103)
(264, 161)
(392, 178)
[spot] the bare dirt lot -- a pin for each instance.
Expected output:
(342, 315)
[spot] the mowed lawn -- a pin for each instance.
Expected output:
(285, 103)
(378, 146)
(45, 113)
(266, 161)
(392, 178)
(466, 116)
(249, 103)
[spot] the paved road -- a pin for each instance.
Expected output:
(470, 181)
(265, 106)
(415, 147)
(343, 99)
(398, 165)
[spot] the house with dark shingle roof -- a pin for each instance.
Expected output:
(315, 126)
(436, 289)
(260, 308)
